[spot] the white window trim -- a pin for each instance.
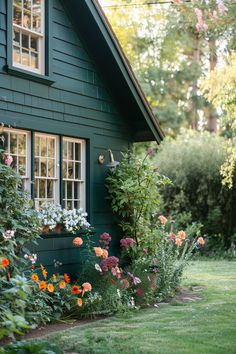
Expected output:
(56, 178)
(82, 181)
(27, 176)
(41, 49)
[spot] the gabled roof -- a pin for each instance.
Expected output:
(110, 59)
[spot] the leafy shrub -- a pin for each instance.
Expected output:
(193, 162)
(31, 347)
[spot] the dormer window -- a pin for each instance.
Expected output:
(28, 35)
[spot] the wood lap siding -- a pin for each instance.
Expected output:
(77, 104)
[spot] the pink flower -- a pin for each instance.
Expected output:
(8, 160)
(221, 7)
(124, 284)
(201, 241)
(127, 242)
(116, 272)
(109, 263)
(172, 236)
(201, 26)
(182, 235)
(134, 279)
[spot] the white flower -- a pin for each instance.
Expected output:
(8, 234)
(98, 268)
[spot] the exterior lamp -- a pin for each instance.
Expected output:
(112, 162)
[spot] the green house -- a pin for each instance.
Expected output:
(67, 95)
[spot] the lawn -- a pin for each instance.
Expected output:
(205, 326)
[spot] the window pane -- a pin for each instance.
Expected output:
(77, 170)
(64, 170)
(69, 190)
(51, 168)
(25, 41)
(22, 166)
(16, 38)
(36, 166)
(51, 147)
(77, 152)
(17, 16)
(26, 20)
(18, 3)
(50, 189)
(27, 4)
(13, 143)
(34, 61)
(41, 188)
(25, 57)
(36, 24)
(34, 43)
(16, 55)
(43, 168)
(43, 151)
(70, 150)
(70, 169)
(22, 144)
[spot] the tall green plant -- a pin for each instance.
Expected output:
(133, 189)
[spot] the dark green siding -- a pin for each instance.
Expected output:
(77, 104)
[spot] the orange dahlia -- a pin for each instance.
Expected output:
(162, 219)
(104, 253)
(35, 277)
(75, 289)
(43, 285)
(98, 251)
(201, 241)
(182, 235)
(178, 241)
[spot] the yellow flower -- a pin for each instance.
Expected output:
(62, 284)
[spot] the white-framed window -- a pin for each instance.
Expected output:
(46, 169)
(17, 144)
(73, 173)
(49, 166)
(29, 35)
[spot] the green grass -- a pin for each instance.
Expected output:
(207, 326)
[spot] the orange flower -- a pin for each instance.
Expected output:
(79, 302)
(35, 277)
(77, 241)
(51, 288)
(66, 278)
(178, 241)
(201, 241)
(104, 253)
(75, 289)
(182, 235)
(62, 284)
(5, 262)
(44, 272)
(42, 285)
(98, 251)
(87, 286)
(162, 219)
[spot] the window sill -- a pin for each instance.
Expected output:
(51, 234)
(47, 80)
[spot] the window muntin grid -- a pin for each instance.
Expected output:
(45, 169)
(16, 144)
(73, 173)
(28, 34)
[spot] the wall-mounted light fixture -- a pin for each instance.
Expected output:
(111, 163)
